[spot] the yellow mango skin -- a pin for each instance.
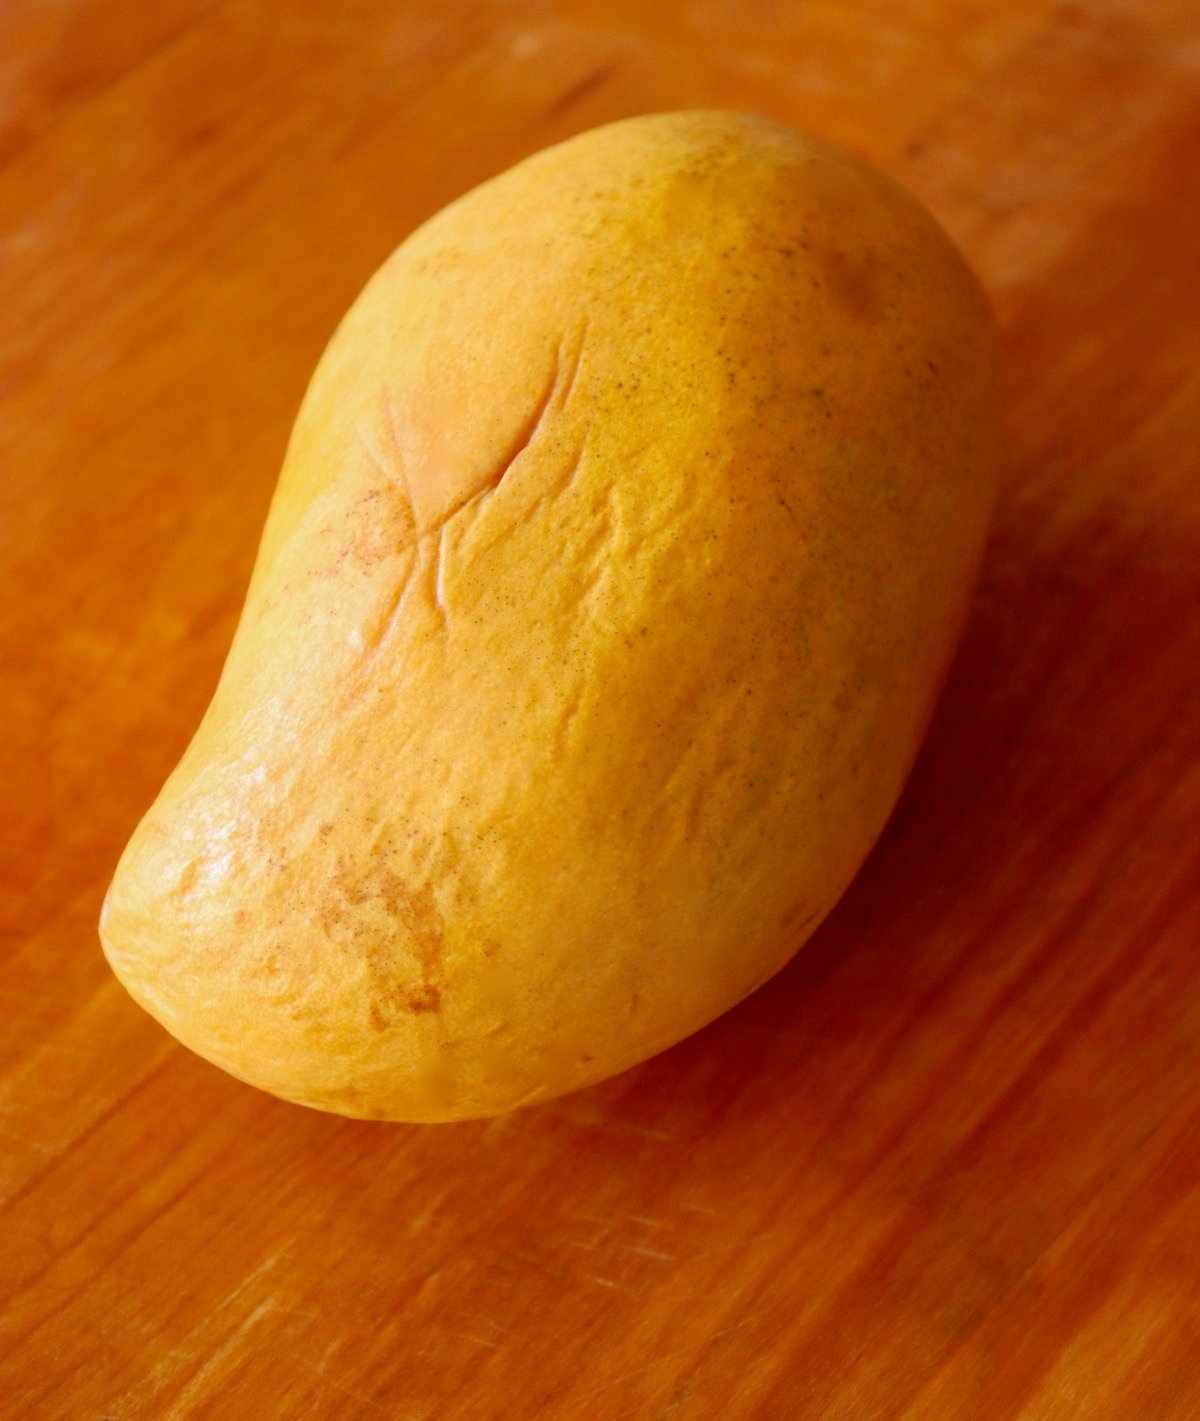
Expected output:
(621, 546)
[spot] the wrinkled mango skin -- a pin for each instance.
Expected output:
(622, 543)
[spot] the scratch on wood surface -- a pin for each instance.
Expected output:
(585, 1245)
(607, 1282)
(527, 1255)
(652, 1253)
(251, 1278)
(587, 1218)
(483, 1320)
(320, 1371)
(197, 1384)
(696, 1349)
(169, 1365)
(468, 1336)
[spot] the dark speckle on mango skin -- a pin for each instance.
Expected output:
(622, 541)
(854, 283)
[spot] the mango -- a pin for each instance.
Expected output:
(621, 546)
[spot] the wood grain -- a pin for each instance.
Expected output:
(947, 1165)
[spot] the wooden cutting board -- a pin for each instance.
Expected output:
(947, 1164)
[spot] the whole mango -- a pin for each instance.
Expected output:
(622, 543)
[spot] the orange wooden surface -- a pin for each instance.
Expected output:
(947, 1165)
